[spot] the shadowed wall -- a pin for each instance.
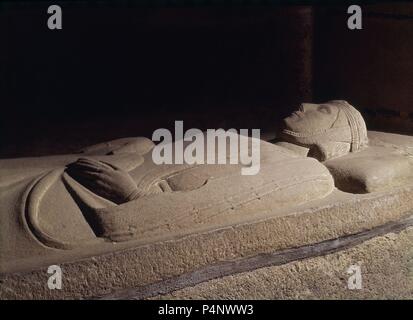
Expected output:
(372, 68)
(118, 71)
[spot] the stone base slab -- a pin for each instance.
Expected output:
(129, 271)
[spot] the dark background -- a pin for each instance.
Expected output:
(118, 70)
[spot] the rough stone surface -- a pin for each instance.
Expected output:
(134, 264)
(386, 265)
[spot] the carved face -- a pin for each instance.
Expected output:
(312, 118)
(328, 130)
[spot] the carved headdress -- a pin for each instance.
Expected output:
(357, 125)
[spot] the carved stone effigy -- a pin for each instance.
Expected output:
(328, 187)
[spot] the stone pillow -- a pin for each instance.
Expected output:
(371, 170)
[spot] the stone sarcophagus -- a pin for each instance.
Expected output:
(328, 194)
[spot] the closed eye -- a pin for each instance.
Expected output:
(324, 109)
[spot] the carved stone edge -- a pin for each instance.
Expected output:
(146, 265)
